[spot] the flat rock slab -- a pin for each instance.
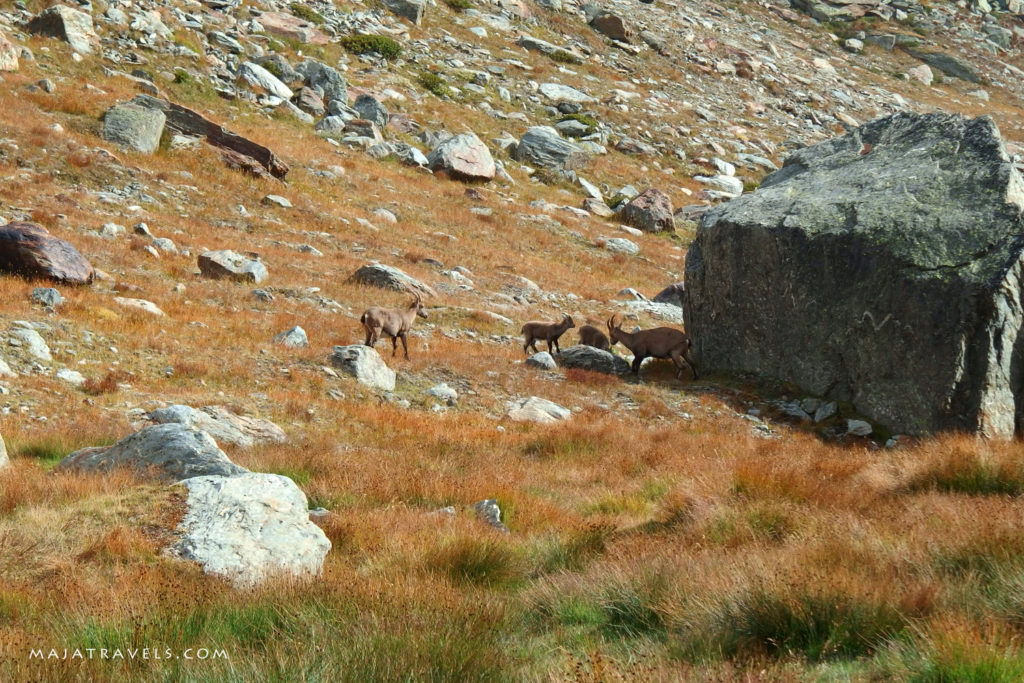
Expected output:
(30, 250)
(882, 268)
(582, 357)
(222, 424)
(165, 452)
(536, 409)
(233, 266)
(389, 277)
(285, 25)
(250, 527)
(365, 364)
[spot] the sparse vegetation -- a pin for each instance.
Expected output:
(433, 83)
(303, 11)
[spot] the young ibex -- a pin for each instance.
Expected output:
(591, 336)
(534, 331)
(394, 324)
(659, 342)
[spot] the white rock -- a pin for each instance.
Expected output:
(250, 527)
(72, 377)
(365, 364)
(139, 305)
(34, 344)
(535, 409)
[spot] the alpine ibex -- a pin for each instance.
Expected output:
(393, 323)
(658, 342)
(534, 331)
(591, 336)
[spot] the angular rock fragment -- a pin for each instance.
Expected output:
(232, 265)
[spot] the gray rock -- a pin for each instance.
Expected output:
(882, 268)
(308, 101)
(858, 428)
(535, 409)
(134, 127)
(650, 211)
(72, 377)
(232, 265)
(408, 9)
(295, 338)
(249, 528)
(673, 294)
(324, 79)
(166, 452)
(276, 200)
(558, 93)
(825, 411)
(620, 245)
(370, 108)
(409, 155)
(582, 357)
(487, 511)
(389, 277)
(33, 343)
(729, 184)
(365, 364)
(222, 424)
(542, 360)
(543, 146)
(598, 208)
(444, 393)
(255, 76)
(47, 296)
(68, 24)
(4, 460)
(464, 157)
(947, 64)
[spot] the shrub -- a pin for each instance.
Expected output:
(433, 83)
(306, 12)
(564, 57)
(459, 5)
(363, 44)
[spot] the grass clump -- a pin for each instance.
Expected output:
(810, 625)
(967, 471)
(488, 560)
(433, 83)
(459, 5)
(308, 13)
(364, 44)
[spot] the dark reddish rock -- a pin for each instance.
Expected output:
(30, 250)
(650, 211)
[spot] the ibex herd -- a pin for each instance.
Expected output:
(658, 342)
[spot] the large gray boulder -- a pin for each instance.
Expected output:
(543, 146)
(324, 79)
(883, 268)
(581, 357)
(166, 452)
(134, 127)
(365, 364)
(463, 157)
(249, 528)
(220, 423)
(68, 24)
(233, 266)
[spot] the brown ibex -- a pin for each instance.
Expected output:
(534, 331)
(591, 336)
(658, 342)
(393, 323)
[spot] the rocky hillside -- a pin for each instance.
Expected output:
(224, 188)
